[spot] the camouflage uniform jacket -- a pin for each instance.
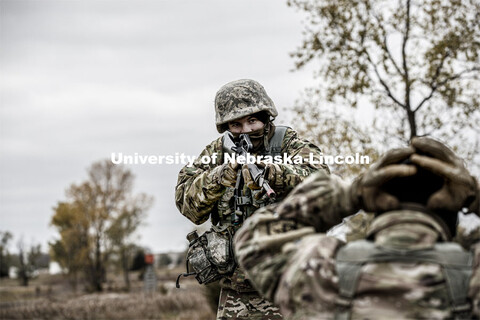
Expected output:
(294, 265)
(199, 195)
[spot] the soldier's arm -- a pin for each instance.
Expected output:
(269, 245)
(279, 255)
(198, 188)
(288, 175)
(321, 201)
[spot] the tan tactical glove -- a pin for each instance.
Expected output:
(366, 192)
(269, 174)
(460, 188)
(228, 174)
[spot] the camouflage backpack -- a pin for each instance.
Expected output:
(456, 263)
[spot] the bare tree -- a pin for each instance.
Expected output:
(416, 61)
(336, 132)
(5, 259)
(124, 224)
(27, 260)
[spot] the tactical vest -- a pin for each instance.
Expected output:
(224, 207)
(456, 263)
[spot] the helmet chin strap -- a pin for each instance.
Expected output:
(266, 135)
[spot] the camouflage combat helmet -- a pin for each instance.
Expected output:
(241, 98)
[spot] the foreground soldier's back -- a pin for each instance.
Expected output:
(408, 268)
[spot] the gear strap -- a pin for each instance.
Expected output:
(274, 147)
(457, 267)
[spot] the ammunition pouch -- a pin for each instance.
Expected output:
(210, 257)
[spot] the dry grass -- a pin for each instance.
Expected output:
(176, 305)
(58, 301)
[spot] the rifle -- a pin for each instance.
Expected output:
(242, 148)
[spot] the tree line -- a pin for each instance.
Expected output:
(26, 262)
(97, 228)
(96, 225)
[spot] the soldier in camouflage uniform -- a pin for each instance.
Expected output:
(408, 267)
(206, 191)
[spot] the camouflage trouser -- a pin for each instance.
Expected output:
(245, 305)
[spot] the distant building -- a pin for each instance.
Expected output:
(13, 272)
(55, 268)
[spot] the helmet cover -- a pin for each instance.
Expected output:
(241, 98)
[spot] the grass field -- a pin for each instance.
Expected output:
(51, 297)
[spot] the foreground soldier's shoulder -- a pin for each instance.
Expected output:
(320, 179)
(353, 227)
(317, 245)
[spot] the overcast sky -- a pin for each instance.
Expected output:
(82, 79)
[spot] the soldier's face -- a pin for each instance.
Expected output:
(245, 125)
